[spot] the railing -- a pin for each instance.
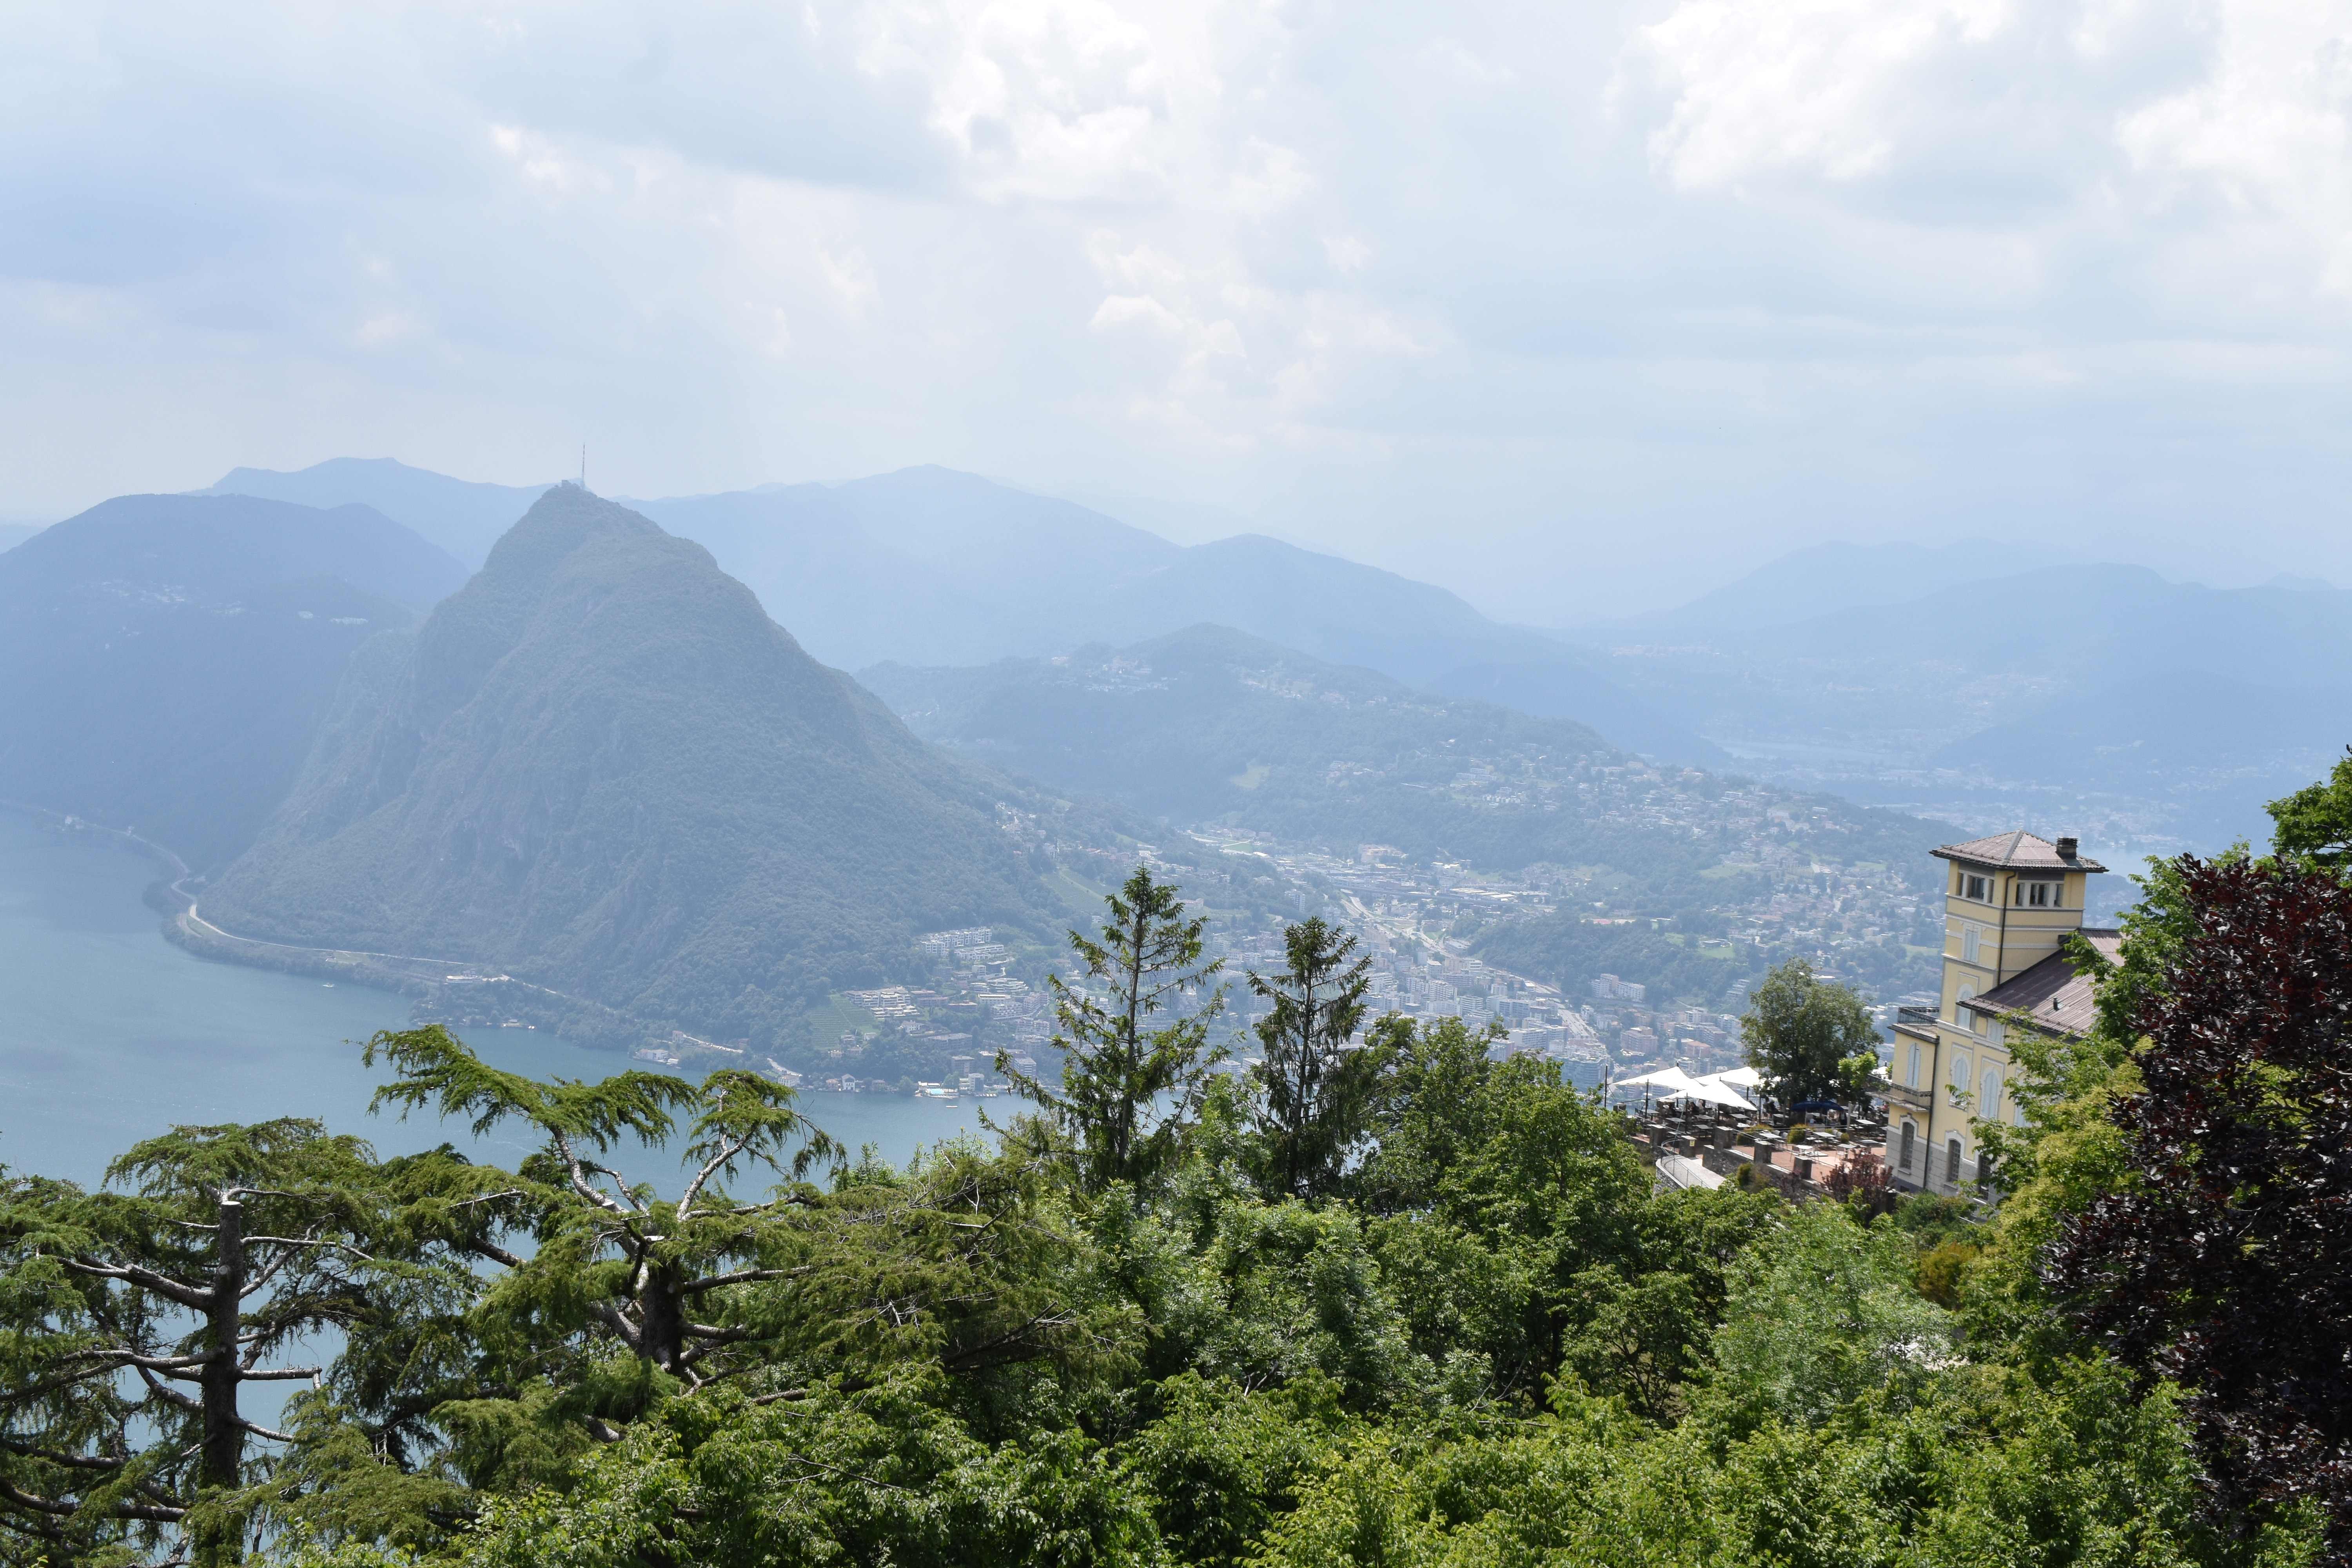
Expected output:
(1923, 1017)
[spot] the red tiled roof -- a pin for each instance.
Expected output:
(2057, 999)
(2020, 851)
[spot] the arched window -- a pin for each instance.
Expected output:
(1909, 1137)
(1952, 1163)
(1988, 1093)
(1911, 1072)
(1957, 1082)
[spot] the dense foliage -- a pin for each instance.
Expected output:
(2201, 1232)
(1812, 1039)
(1463, 1329)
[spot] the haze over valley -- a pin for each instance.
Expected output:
(1968, 682)
(602, 788)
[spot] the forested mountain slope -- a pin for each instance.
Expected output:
(603, 767)
(163, 660)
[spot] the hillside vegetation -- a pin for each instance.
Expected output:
(1211, 725)
(1400, 1303)
(601, 767)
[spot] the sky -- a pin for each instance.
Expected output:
(1573, 308)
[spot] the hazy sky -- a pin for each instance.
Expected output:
(1564, 306)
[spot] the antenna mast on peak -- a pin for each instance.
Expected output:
(584, 465)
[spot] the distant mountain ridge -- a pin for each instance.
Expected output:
(603, 767)
(464, 517)
(167, 658)
(1857, 668)
(930, 566)
(1827, 579)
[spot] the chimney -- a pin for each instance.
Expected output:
(2065, 848)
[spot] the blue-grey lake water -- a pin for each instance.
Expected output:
(109, 1033)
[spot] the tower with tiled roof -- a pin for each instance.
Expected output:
(2009, 903)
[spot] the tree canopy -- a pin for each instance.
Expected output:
(1811, 1038)
(1394, 1297)
(1127, 1089)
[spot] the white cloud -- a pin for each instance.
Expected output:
(1813, 87)
(1648, 277)
(852, 277)
(2267, 131)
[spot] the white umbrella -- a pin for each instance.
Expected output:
(1670, 1080)
(1712, 1091)
(1742, 1078)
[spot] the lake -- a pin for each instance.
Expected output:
(109, 1033)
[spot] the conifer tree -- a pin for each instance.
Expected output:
(668, 1300)
(136, 1317)
(1128, 1088)
(1314, 1094)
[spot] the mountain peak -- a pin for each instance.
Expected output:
(559, 521)
(601, 767)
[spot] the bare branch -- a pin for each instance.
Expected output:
(740, 1276)
(779, 1395)
(169, 1396)
(51, 1457)
(580, 1182)
(162, 1284)
(728, 1148)
(312, 1241)
(488, 1198)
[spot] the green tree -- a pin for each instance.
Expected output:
(1811, 1038)
(1314, 1094)
(135, 1319)
(1822, 1311)
(657, 1274)
(2220, 1261)
(2315, 823)
(1128, 1090)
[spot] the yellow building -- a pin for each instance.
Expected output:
(2008, 902)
